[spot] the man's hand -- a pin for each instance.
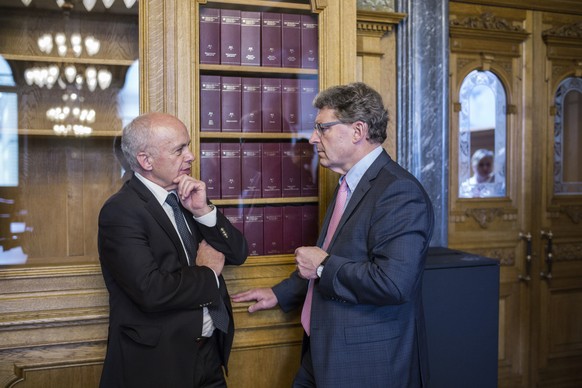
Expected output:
(192, 194)
(209, 257)
(265, 298)
(308, 259)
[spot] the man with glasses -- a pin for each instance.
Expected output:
(361, 285)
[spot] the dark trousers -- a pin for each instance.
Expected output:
(305, 377)
(208, 371)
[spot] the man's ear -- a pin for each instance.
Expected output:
(360, 131)
(144, 161)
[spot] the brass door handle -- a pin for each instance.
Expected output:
(527, 238)
(549, 255)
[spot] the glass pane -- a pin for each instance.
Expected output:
(568, 137)
(68, 82)
(482, 134)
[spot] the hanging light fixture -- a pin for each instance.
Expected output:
(89, 4)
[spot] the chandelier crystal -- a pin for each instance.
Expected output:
(89, 4)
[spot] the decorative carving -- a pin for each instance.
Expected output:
(568, 252)
(574, 212)
(486, 21)
(377, 23)
(505, 256)
(376, 5)
(565, 31)
(484, 216)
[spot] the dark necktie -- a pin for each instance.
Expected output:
(217, 312)
(338, 210)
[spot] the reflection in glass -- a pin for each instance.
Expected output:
(568, 137)
(482, 136)
(54, 179)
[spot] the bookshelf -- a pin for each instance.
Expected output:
(273, 45)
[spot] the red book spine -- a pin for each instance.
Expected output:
(251, 170)
(309, 42)
(309, 225)
(235, 216)
(210, 168)
(250, 38)
(210, 116)
(308, 112)
(231, 104)
(251, 120)
(230, 170)
(271, 39)
(271, 105)
(290, 102)
(253, 229)
(292, 228)
(290, 40)
(309, 170)
(209, 35)
(290, 170)
(230, 37)
(271, 170)
(273, 230)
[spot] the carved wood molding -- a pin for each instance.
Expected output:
(377, 23)
(565, 42)
(485, 216)
(574, 212)
(486, 33)
(568, 252)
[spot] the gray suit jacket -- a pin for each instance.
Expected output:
(367, 321)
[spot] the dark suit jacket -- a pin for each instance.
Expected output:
(155, 298)
(367, 321)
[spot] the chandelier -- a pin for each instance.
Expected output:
(46, 42)
(72, 116)
(48, 76)
(89, 4)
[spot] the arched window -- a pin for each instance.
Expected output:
(482, 136)
(568, 137)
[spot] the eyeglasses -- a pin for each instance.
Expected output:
(320, 128)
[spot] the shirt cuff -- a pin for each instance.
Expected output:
(209, 219)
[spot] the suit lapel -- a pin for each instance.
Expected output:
(357, 195)
(159, 214)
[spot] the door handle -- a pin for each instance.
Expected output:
(549, 255)
(527, 238)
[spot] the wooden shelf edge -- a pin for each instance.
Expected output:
(255, 135)
(258, 69)
(264, 201)
(261, 3)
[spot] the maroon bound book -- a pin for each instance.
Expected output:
(230, 37)
(251, 120)
(250, 38)
(309, 226)
(210, 168)
(273, 230)
(308, 92)
(230, 170)
(290, 40)
(209, 35)
(253, 229)
(251, 170)
(309, 169)
(210, 103)
(290, 102)
(271, 170)
(271, 104)
(231, 104)
(292, 224)
(290, 170)
(309, 42)
(235, 216)
(271, 39)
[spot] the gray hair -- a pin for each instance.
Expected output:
(480, 154)
(356, 102)
(136, 138)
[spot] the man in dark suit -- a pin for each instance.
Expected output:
(162, 247)
(361, 284)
